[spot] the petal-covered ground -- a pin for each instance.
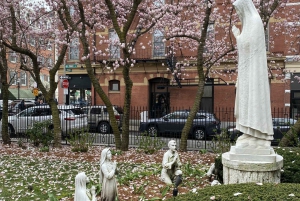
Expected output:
(28, 174)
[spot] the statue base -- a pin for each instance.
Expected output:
(242, 165)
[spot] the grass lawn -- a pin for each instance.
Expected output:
(28, 174)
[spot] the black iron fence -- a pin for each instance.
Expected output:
(167, 127)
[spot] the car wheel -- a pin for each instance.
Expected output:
(11, 130)
(152, 131)
(103, 127)
(199, 133)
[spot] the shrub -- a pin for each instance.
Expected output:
(221, 144)
(150, 145)
(240, 192)
(290, 139)
(291, 164)
(81, 140)
(41, 133)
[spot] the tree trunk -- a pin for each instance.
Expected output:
(127, 103)
(201, 82)
(5, 95)
(56, 123)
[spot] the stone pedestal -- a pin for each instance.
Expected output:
(251, 165)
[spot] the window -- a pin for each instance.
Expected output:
(159, 3)
(49, 45)
(13, 57)
(13, 77)
(210, 36)
(31, 40)
(114, 48)
(114, 85)
(41, 59)
(23, 78)
(158, 44)
(50, 63)
(74, 49)
(96, 111)
(46, 78)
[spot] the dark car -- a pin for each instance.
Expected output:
(205, 124)
(280, 126)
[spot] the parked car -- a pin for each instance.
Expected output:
(71, 118)
(98, 118)
(205, 125)
(14, 106)
(280, 126)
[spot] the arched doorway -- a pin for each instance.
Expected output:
(159, 104)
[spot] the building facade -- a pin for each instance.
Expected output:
(155, 87)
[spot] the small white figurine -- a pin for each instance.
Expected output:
(171, 164)
(80, 188)
(108, 169)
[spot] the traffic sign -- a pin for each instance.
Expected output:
(71, 66)
(65, 84)
(35, 91)
(66, 77)
(69, 69)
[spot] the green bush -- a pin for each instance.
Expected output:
(290, 139)
(81, 140)
(41, 133)
(150, 145)
(221, 143)
(291, 164)
(250, 191)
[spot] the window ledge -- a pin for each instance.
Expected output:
(114, 92)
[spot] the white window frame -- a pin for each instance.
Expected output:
(210, 34)
(23, 78)
(158, 44)
(13, 76)
(13, 57)
(74, 49)
(114, 49)
(50, 62)
(31, 40)
(49, 45)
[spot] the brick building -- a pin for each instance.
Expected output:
(154, 85)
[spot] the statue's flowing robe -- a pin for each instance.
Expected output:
(252, 103)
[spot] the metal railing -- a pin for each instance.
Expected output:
(142, 114)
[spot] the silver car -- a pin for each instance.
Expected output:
(98, 118)
(71, 117)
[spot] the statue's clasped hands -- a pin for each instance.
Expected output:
(236, 32)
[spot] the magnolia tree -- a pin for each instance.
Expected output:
(129, 20)
(205, 27)
(30, 28)
(194, 25)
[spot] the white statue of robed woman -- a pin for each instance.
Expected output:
(81, 193)
(108, 170)
(252, 103)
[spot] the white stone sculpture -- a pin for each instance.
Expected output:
(211, 170)
(108, 169)
(252, 159)
(171, 164)
(252, 103)
(80, 188)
